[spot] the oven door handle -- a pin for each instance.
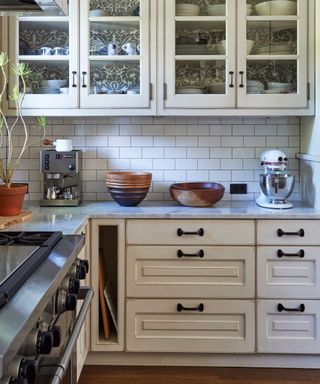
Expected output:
(86, 294)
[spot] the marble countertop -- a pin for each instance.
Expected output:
(69, 220)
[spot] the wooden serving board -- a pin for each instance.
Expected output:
(6, 221)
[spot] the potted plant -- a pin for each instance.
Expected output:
(12, 194)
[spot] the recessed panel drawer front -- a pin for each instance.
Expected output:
(189, 271)
(288, 272)
(292, 329)
(191, 232)
(222, 326)
(288, 232)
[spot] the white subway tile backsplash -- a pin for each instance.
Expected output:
(221, 149)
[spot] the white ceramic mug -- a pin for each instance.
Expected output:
(63, 145)
(113, 49)
(46, 51)
(130, 48)
(58, 51)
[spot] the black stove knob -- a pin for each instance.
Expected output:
(44, 343)
(74, 285)
(71, 302)
(56, 336)
(86, 264)
(81, 272)
(28, 370)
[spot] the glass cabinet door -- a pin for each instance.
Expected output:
(48, 45)
(115, 54)
(272, 58)
(200, 53)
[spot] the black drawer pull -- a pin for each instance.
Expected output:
(181, 232)
(301, 308)
(200, 254)
(298, 254)
(74, 85)
(199, 308)
(231, 73)
(241, 73)
(300, 233)
(84, 80)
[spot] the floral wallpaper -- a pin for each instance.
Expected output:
(116, 7)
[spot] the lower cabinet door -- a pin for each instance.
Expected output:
(211, 326)
(288, 326)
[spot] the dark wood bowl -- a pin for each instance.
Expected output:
(198, 194)
(128, 199)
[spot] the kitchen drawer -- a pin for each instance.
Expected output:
(300, 232)
(223, 326)
(288, 332)
(288, 272)
(199, 232)
(171, 271)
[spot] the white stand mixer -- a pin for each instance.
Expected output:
(276, 184)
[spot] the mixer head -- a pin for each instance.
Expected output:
(274, 160)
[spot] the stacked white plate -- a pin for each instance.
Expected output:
(255, 86)
(189, 91)
(192, 49)
(276, 87)
(49, 90)
(217, 88)
(249, 8)
(216, 10)
(281, 49)
(276, 8)
(221, 47)
(52, 86)
(187, 10)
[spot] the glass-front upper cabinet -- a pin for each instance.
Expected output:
(48, 45)
(115, 54)
(200, 53)
(272, 53)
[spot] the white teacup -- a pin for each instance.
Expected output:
(58, 51)
(46, 51)
(130, 48)
(63, 145)
(113, 49)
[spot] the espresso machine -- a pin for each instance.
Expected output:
(276, 183)
(61, 178)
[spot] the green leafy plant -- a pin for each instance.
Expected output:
(10, 163)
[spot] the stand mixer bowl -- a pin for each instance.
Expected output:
(277, 187)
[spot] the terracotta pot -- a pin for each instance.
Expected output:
(11, 199)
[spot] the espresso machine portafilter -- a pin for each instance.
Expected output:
(61, 178)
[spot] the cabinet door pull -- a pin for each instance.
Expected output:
(181, 307)
(199, 232)
(74, 79)
(241, 73)
(84, 80)
(231, 73)
(300, 233)
(200, 254)
(301, 253)
(281, 308)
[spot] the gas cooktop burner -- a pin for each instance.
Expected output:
(30, 238)
(20, 255)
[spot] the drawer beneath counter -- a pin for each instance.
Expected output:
(288, 272)
(191, 232)
(209, 326)
(288, 232)
(288, 326)
(190, 272)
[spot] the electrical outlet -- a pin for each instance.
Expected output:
(238, 189)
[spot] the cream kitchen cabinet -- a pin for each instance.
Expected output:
(288, 286)
(182, 279)
(237, 55)
(96, 60)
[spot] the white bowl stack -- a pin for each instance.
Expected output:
(221, 47)
(250, 44)
(276, 8)
(52, 86)
(276, 87)
(187, 10)
(249, 8)
(216, 10)
(255, 87)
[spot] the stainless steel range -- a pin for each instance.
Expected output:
(39, 287)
